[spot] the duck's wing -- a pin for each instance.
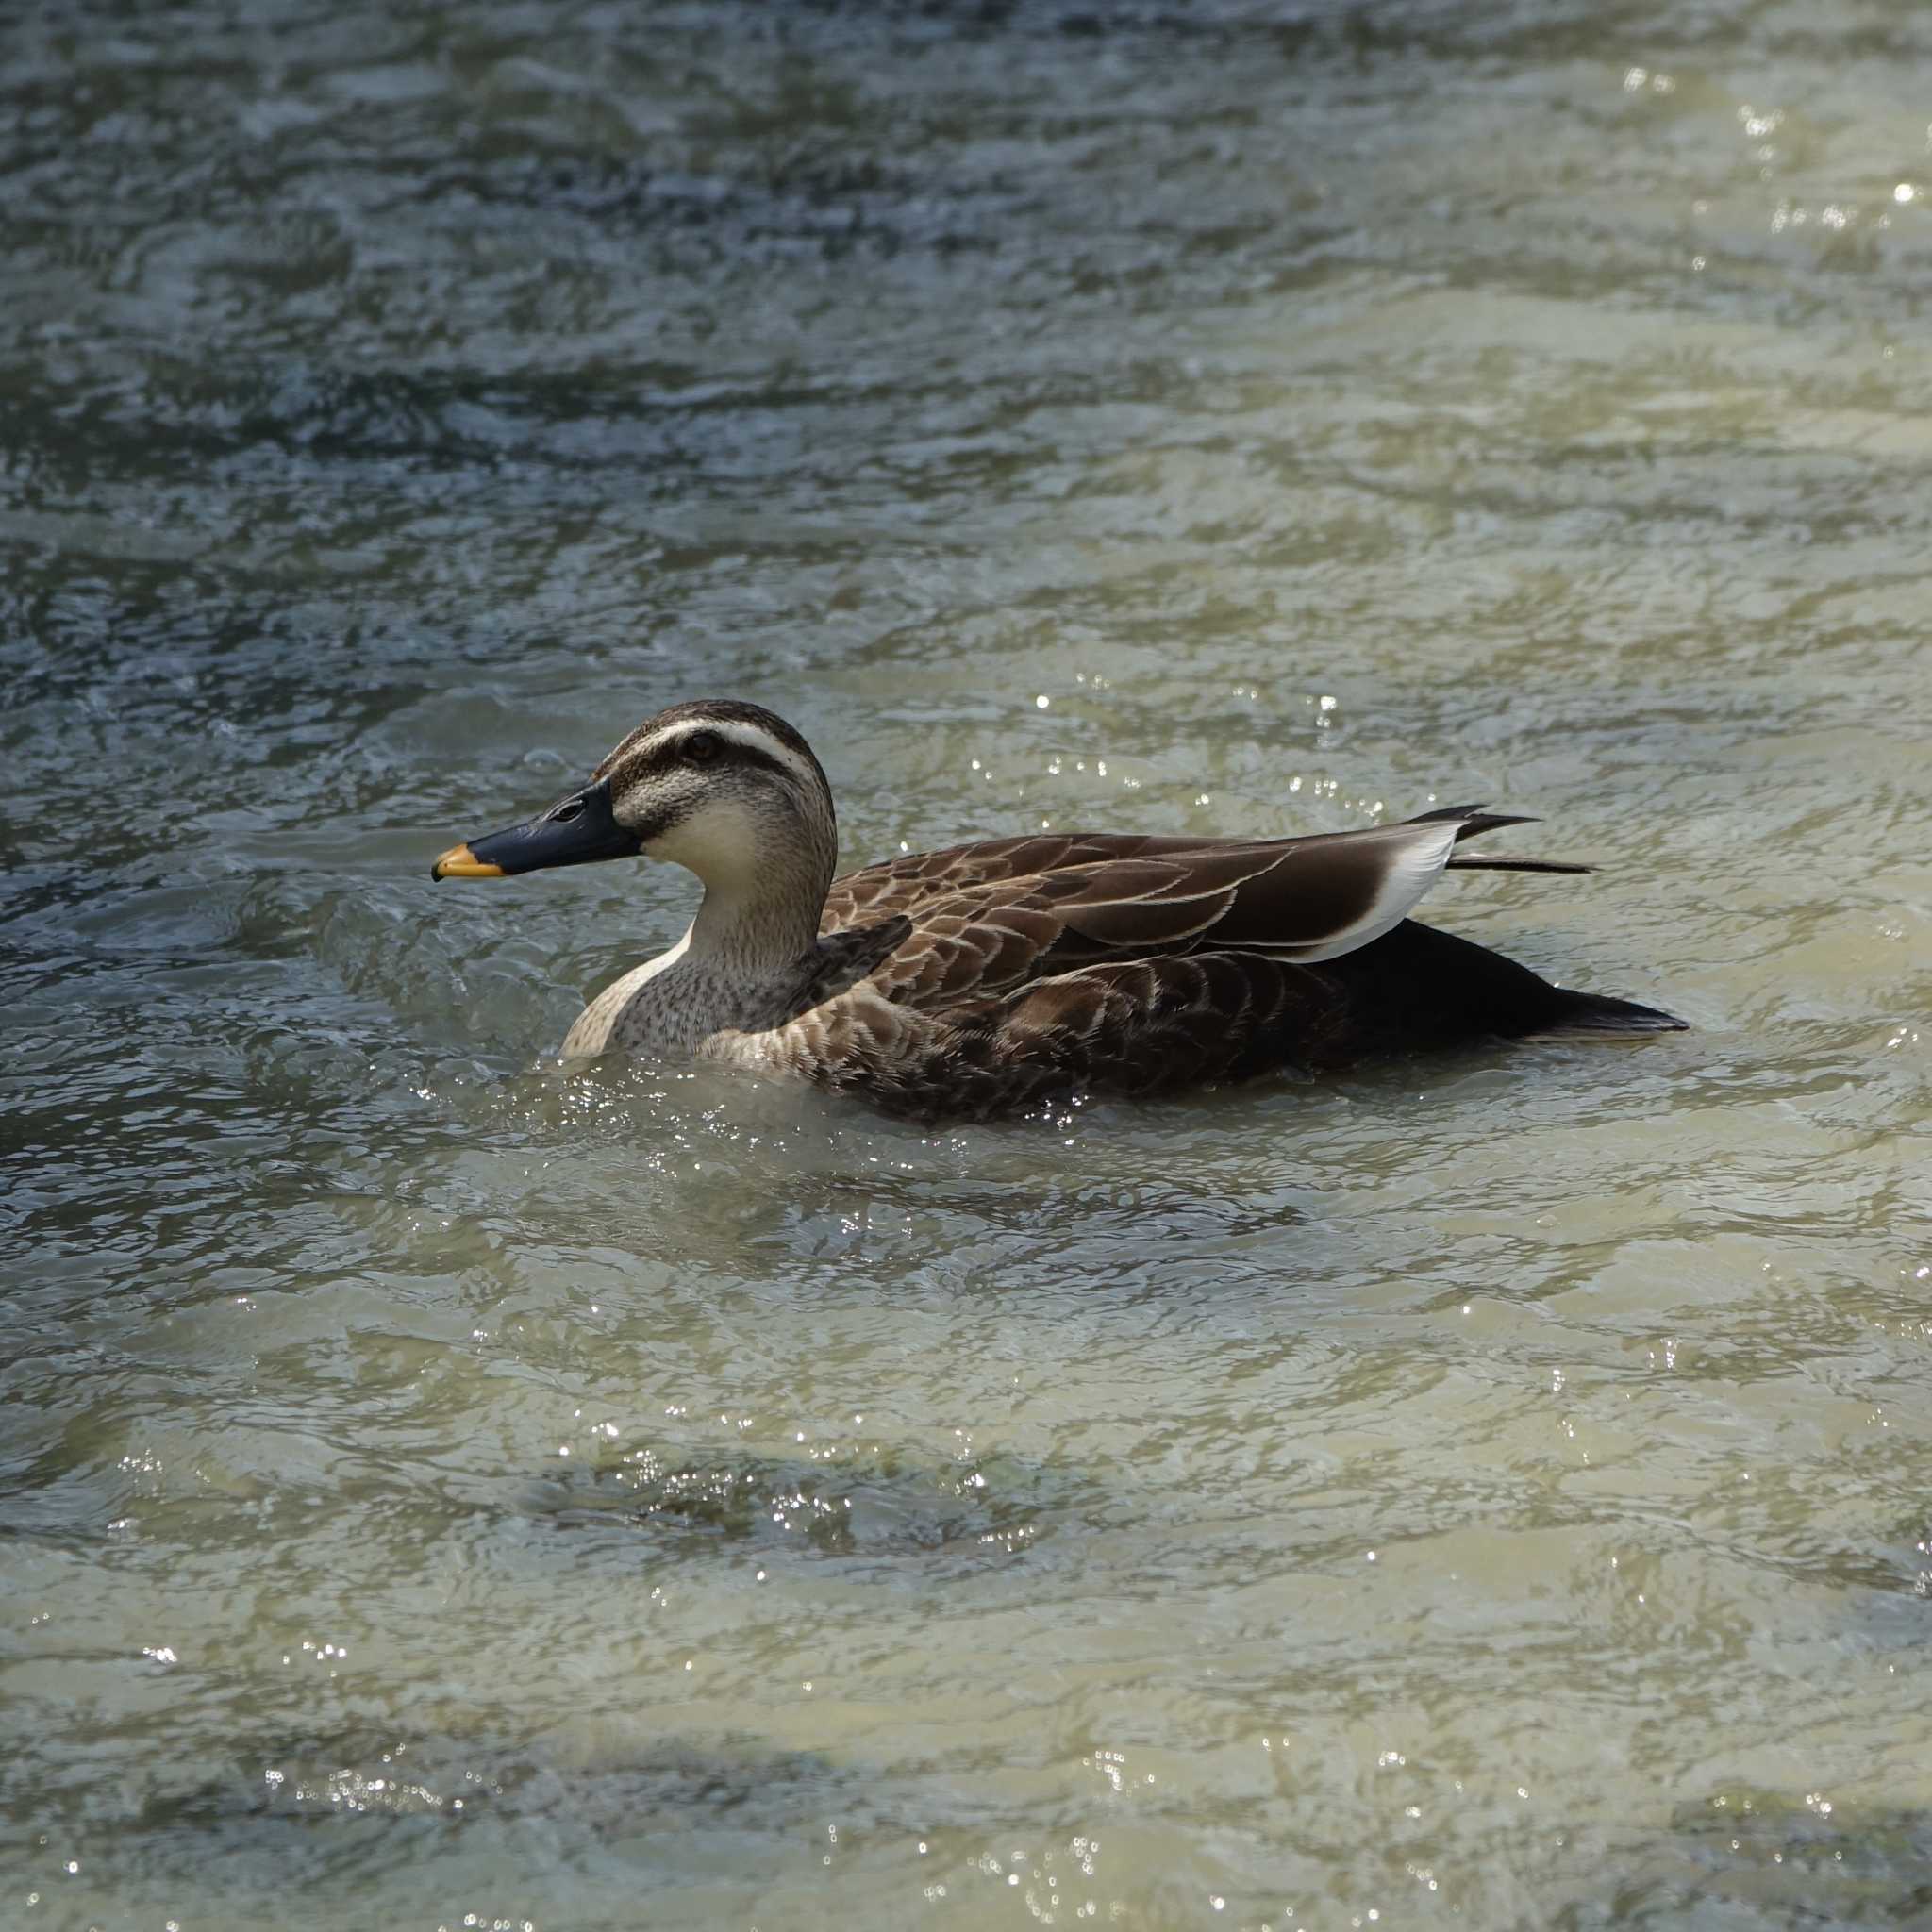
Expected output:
(1290, 900)
(919, 878)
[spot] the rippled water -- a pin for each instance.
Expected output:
(440, 1489)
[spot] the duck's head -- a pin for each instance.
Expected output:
(728, 790)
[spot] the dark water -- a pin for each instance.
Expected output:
(437, 1490)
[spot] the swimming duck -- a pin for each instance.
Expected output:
(991, 977)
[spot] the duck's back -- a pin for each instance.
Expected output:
(1036, 967)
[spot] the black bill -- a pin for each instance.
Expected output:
(573, 831)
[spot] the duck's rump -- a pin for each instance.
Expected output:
(1141, 1026)
(1418, 988)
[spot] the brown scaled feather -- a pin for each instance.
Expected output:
(1043, 966)
(991, 977)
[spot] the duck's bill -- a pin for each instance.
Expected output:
(575, 831)
(460, 862)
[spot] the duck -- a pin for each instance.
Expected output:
(1012, 975)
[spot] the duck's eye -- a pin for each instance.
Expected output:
(701, 747)
(570, 809)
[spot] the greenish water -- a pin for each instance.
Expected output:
(437, 1490)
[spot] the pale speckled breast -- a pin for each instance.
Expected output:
(676, 1006)
(602, 1024)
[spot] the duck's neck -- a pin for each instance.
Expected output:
(754, 930)
(736, 968)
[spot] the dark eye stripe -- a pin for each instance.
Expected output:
(731, 752)
(725, 752)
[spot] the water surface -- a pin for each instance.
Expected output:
(438, 1489)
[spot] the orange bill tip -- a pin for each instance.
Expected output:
(458, 862)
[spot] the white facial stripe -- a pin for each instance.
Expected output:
(753, 736)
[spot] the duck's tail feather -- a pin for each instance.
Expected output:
(1419, 987)
(1474, 819)
(1475, 823)
(1500, 864)
(1597, 1013)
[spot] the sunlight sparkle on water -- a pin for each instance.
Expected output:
(1272, 372)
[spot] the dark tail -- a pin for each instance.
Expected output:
(1516, 865)
(1595, 1012)
(1476, 822)
(1419, 987)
